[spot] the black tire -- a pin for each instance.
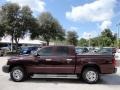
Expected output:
(18, 74)
(2, 54)
(90, 75)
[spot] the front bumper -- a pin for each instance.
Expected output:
(5, 68)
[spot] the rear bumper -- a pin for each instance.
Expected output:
(5, 68)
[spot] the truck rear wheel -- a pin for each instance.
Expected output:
(90, 75)
(17, 74)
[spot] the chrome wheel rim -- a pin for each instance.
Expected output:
(17, 74)
(91, 76)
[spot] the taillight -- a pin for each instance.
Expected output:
(114, 62)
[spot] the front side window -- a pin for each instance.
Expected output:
(45, 51)
(62, 51)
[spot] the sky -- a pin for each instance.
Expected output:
(86, 17)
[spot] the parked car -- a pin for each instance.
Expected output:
(94, 50)
(117, 57)
(80, 50)
(117, 54)
(6, 49)
(27, 49)
(106, 50)
(60, 60)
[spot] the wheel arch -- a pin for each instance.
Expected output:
(16, 65)
(91, 66)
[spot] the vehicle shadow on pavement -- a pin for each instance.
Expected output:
(54, 80)
(112, 79)
(105, 79)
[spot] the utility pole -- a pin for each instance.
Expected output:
(89, 40)
(118, 25)
(98, 40)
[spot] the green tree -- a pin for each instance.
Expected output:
(72, 37)
(95, 41)
(83, 42)
(107, 38)
(49, 28)
(16, 21)
(2, 31)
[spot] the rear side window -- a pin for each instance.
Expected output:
(62, 51)
(45, 51)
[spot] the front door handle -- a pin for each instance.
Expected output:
(48, 59)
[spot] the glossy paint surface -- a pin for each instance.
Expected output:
(63, 64)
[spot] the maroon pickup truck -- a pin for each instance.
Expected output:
(60, 60)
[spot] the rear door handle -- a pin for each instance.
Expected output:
(69, 59)
(48, 59)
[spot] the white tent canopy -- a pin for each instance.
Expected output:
(26, 40)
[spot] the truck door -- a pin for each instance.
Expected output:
(46, 59)
(64, 60)
(56, 60)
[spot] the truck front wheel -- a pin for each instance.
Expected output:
(90, 75)
(17, 74)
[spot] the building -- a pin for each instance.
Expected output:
(6, 41)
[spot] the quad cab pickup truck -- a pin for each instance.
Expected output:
(60, 60)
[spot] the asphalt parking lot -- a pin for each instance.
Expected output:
(54, 82)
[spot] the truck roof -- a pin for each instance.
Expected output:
(60, 46)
